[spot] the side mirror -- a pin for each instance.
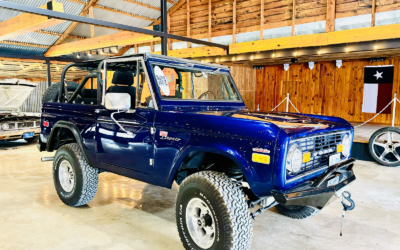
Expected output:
(118, 101)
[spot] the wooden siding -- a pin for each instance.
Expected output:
(245, 79)
(276, 14)
(324, 90)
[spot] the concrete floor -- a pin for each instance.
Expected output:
(127, 214)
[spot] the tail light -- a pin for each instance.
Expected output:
(46, 124)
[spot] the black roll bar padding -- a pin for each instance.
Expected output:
(64, 71)
(81, 85)
(99, 82)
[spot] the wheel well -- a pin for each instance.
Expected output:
(61, 136)
(197, 161)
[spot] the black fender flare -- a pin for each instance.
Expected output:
(75, 131)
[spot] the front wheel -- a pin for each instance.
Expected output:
(297, 212)
(212, 213)
(74, 179)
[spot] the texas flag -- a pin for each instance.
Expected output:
(378, 84)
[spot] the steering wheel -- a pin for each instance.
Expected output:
(207, 92)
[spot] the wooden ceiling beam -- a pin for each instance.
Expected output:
(25, 44)
(143, 4)
(26, 22)
(125, 13)
(322, 39)
(73, 25)
(58, 34)
(119, 39)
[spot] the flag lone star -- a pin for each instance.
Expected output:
(378, 75)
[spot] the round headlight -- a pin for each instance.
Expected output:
(346, 145)
(5, 126)
(294, 159)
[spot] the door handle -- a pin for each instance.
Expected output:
(99, 110)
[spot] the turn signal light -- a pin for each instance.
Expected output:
(260, 158)
(306, 157)
(339, 148)
(46, 124)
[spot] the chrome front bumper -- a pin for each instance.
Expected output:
(322, 190)
(18, 133)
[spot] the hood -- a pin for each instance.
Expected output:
(13, 93)
(292, 124)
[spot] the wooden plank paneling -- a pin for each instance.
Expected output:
(325, 90)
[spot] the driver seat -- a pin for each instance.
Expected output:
(125, 79)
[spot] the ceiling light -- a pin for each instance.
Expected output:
(21, 65)
(376, 47)
(319, 52)
(251, 57)
(73, 68)
(58, 68)
(347, 49)
(202, 61)
(273, 55)
(1, 65)
(233, 58)
(295, 53)
(40, 66)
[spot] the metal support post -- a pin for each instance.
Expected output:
(164, 39)
(48, 73)
(394, 109)
(287, 102)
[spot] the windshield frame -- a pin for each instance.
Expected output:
(196, 66)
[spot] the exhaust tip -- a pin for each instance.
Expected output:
(47, 159)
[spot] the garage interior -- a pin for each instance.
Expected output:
(313, 53)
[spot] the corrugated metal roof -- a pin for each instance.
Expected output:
(35, 38)
(81, 30)
(21, 50)
(132, 8)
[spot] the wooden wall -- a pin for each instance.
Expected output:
(276, 13)
(325, 90)
(245, 79)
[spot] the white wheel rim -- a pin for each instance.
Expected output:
(200, 223)
(66, 176)
(388, 145)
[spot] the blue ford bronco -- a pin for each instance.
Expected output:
(162, 120)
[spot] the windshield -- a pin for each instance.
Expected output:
(189, 83)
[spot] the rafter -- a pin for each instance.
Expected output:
(25, 44)
(118, 39)
(26, 22)
(143, 4)
(58, 34)
(73, 25)
(125, 13)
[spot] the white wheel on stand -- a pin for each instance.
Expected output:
(384, 146)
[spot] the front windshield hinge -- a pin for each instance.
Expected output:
(153, 130)
(151, 162)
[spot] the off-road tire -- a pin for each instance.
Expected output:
(371, 146)
(297, 212)
(51, 93)
(227, 204)
(86, 176)
(33, 139)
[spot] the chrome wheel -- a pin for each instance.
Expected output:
(200, 223)
(386, 147)
(66, 176)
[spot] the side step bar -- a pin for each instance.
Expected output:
(47, 159)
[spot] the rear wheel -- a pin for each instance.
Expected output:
(297, 212)
(211, 213)
(74, 179)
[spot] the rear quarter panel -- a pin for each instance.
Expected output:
(83, 116)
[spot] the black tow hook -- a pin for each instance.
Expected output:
(262, 210)
(346, 196)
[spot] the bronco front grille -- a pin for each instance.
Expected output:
(320, 147)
